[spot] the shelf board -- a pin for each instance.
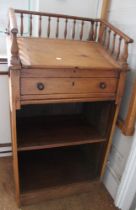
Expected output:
(55, 131)
(54, 171)
(28, 198)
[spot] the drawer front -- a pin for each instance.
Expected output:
(39, 86)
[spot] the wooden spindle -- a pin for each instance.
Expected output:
(104, 35)
(119, 48)
(57, 28)
(101, 32)
(124, 56)
(82, 30)
(40, 26)
(14, 50)
(108, 42)
(31, 25)
(66, 26)
(49, 26)
(91, 33)
(113, 43)
(13, 41)
(74, 29)
(95, 31)
(21, 24)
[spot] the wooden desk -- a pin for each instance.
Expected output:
(64, 97)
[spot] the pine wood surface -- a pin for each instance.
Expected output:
(29, 86)
(50, 53)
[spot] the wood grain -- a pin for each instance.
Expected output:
(14, 141)
(50, 53)
(69, 73)
(36, 100)
(29, 86)
(58, 192)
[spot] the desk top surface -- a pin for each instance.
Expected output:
(53, 53)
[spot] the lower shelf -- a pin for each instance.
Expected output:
(54, 171)
(57, 192)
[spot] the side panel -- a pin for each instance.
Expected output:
(14, 104)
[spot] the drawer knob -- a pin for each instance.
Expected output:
(102, 85)
(40, 86)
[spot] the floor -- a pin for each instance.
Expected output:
(96, 199)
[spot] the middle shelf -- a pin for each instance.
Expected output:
(58, 125)
(56, 131)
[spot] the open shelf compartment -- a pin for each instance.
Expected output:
(41, 132)
(51, 171)
(42, 127)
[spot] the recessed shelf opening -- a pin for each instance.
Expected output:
(57, 167)
(58, 125)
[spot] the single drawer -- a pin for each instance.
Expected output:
(39, 86)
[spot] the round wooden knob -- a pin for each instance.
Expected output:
(40, 86)
(102, 85)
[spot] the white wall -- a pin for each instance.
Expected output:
(4, 111)
(5, 134)
(123, 15)
(86, 8)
